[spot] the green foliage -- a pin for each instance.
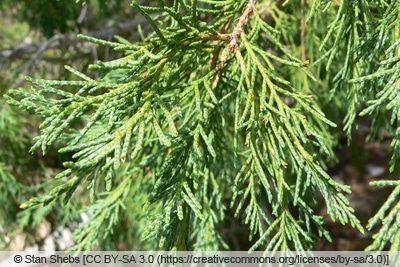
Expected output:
(214, 111)
(389, 214)
(372, 72)
(21, 177)
(11, 189)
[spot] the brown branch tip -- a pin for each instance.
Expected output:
(233, 39)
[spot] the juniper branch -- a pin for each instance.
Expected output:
(181, 114)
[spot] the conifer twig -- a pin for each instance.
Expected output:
(303, 30)
(233, 40)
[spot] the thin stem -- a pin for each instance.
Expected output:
(233, 47)
(303, 30)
